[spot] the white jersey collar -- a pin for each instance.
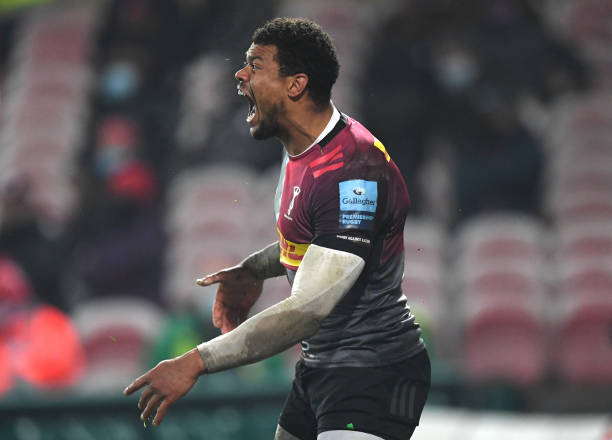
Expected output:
(335, 117)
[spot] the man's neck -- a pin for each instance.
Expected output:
(303, 128)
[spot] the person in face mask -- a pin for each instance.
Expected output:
(119, 81)
(118, 139)
(123, 77)
(455, 67)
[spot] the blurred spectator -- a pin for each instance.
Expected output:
(121, 243)
(212, 115)
(37, 343)
(142, 49)
(433, 60)
(498, 162)
(52, 355)
(509, 35)
(153, 24)
(127, 88)
(22, 237)
(397, 89)
(15, 298)
(117, 145)
(222, 26)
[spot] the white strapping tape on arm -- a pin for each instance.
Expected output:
(323, 278)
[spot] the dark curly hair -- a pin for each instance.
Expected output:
(303, 47)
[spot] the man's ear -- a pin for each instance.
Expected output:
(297, 85)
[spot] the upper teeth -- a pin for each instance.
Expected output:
(241, 93)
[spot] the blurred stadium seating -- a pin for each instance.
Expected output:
(513, 303)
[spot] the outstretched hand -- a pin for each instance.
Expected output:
(165, 384)
(237, 292)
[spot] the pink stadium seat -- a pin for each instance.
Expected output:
(589, 180)
(424, 241)
(587, 20)
(503, 288)
(423, 288)
(584, 241)
(49, 90)
(590, 277)
(185, 218)
(498, 281)
(505, 248)
(583, 121)
(587, 206)
(583, 342)
(499, 237)
(116, 333)
(505, 345)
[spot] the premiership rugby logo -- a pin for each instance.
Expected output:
(358, 201)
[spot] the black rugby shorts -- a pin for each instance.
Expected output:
(383, 401)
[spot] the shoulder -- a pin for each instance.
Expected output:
(361, 143)
(353, 153)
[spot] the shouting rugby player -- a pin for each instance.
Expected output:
(340, 205)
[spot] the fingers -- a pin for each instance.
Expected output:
(219, 277)
(144, 398)
(211, 279)
(137, 384)
(207, 281)
(151, 407)
(161, 412)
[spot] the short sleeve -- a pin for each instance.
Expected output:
(345, 209)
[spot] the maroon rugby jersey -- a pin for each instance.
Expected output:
(346, 193)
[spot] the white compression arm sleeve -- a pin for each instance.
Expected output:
(265, 263)
(323, 278)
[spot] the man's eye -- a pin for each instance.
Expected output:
(253, 67)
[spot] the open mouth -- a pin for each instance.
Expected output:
(252, 106)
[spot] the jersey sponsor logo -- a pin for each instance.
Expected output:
(358, 201)
(291, 254)
(296, 192)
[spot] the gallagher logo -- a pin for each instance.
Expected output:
(358, 195)
(358, 201)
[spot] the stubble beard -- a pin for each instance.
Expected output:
(268, 125)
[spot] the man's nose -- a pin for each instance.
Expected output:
(241, 74)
